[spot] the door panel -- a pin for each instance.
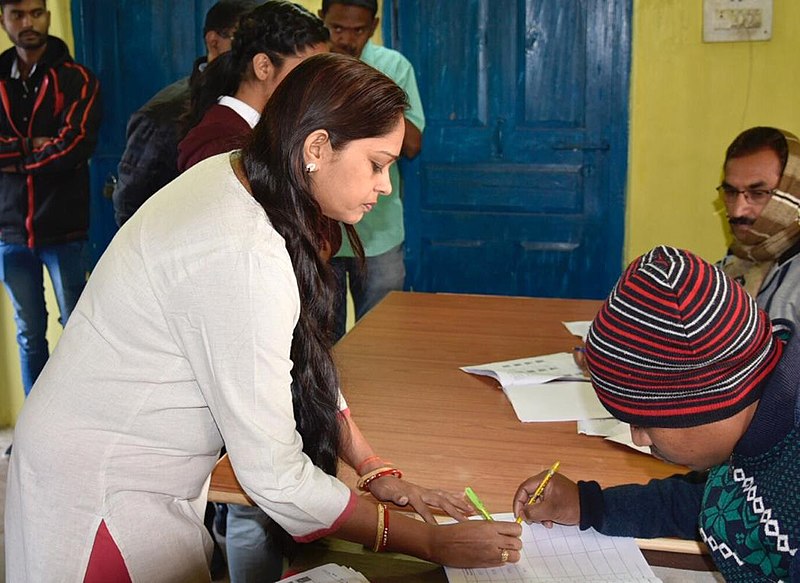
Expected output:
(135, 47)
(519, 188)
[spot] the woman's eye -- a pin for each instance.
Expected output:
(376, 167)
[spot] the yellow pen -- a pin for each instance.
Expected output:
(476, 502)
(538, 493)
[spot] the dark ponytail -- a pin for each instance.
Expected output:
(351, 101)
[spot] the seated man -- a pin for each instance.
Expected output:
(761, 193)
(684, 354)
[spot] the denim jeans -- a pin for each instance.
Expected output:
(384, 273)
(252, 557)
(23, 277)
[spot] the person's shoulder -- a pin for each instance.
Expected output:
(170, 100)
(382, 57)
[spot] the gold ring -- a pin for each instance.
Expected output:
(504, 555)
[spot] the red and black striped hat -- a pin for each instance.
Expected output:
(678, 343)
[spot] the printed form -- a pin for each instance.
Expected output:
(564, 553)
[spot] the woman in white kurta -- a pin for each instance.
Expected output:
(183, 341)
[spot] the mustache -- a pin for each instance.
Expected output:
(740, 221)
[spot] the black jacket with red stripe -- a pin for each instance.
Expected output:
(44, 190)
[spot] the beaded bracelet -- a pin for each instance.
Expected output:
(372, 458)
(382, 531)
(367, 479)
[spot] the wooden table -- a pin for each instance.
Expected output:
(448, 429)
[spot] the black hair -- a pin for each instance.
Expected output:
(277, 28)
(371, 5)
(4, 3)
(224, 15)
(759, 138)
(351, 101)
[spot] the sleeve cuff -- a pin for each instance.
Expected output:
(346, 513)
(592, 505)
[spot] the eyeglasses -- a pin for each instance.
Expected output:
(754, 196)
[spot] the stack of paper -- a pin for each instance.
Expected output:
(329, 573)
(544, 388)
(564, 554)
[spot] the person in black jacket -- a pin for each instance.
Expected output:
(150, 159)
(49, 117)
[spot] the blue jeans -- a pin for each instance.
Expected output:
(22, 274)
(384, 273)
(252, 556)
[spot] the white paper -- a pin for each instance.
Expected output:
(564, 554)
(532, 370)
(599, 427)
(329, 573)
(556, 401)
(579, 329)
(612, 430)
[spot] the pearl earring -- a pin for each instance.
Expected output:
(311, 167)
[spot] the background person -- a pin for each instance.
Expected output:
(352, 23)
(685, 356)
(226, 341)
(230, 95)
(48, 130)
(154, 130)
(761, 193)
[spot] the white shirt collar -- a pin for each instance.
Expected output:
(15, 70)
(247, 113)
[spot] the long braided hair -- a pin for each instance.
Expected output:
(351, 101)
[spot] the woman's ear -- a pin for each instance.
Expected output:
(317, 148)
(262, 66)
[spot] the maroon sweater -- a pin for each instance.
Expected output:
(220, 130)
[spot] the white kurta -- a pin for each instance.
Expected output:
(179, 343)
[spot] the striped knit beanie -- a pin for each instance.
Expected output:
(678, 344)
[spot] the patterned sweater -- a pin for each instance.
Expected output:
(746, 510)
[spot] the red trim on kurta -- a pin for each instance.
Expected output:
(106, 564)
(337, 524)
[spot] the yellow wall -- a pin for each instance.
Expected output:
(11, 395)
(689, 99)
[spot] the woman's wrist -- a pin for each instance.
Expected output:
(377, 474)
(368, 464)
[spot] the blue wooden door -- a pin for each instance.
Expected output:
(135, 47)
(519, 188)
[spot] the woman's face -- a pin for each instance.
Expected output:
(349, 181)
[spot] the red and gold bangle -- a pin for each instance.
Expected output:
(366, 479)
(382, 531)
(373, 458)
(385, 535)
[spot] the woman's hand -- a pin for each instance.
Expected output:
(476, 543)
(559, 503)
(405, 493)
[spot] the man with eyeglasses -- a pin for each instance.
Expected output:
(761, 193)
